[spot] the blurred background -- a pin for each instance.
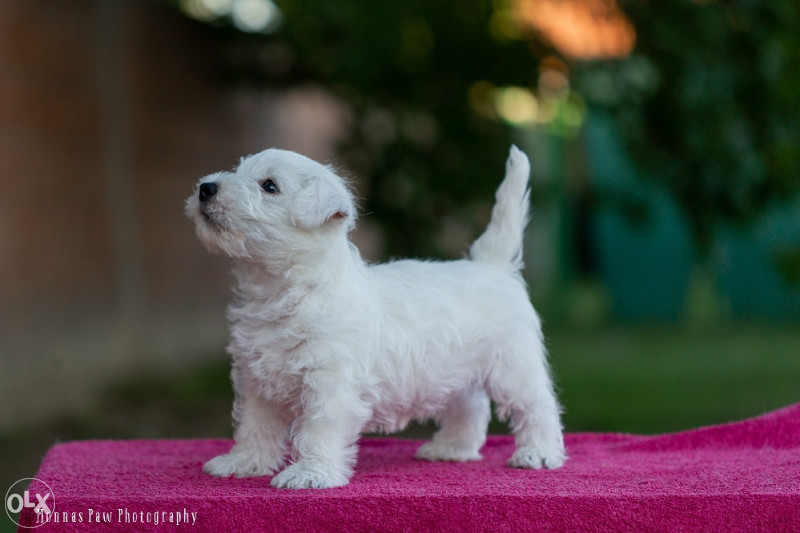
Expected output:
(663, 254)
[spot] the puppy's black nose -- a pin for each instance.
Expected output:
(207, 191)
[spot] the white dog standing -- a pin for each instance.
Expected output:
(325, 347)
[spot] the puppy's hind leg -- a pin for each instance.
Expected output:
(463, 429)
(521, 387)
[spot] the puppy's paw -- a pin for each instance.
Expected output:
(532, 457)
(240, 465)
(309, 475)
(447, 451)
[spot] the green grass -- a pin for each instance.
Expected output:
(619, 378)
(653, 380)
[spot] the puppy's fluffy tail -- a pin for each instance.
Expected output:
(501, 243)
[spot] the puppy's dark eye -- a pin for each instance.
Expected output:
(270, 187)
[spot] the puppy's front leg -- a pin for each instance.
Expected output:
(260, 439)
(324, 437)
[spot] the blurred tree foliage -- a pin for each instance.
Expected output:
(404, 67)
(709, 101)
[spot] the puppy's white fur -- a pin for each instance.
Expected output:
(325, 347)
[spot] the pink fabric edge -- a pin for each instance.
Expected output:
(742, 476)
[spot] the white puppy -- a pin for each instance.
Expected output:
(325, 347)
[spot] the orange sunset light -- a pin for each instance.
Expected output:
(579, 29)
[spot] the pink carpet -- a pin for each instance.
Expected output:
(743, 476)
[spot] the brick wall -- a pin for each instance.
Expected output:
(110, 110)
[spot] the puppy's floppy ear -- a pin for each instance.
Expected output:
(323, 199)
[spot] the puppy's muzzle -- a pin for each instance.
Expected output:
(207, 191)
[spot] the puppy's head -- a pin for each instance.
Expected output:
(276, 203)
